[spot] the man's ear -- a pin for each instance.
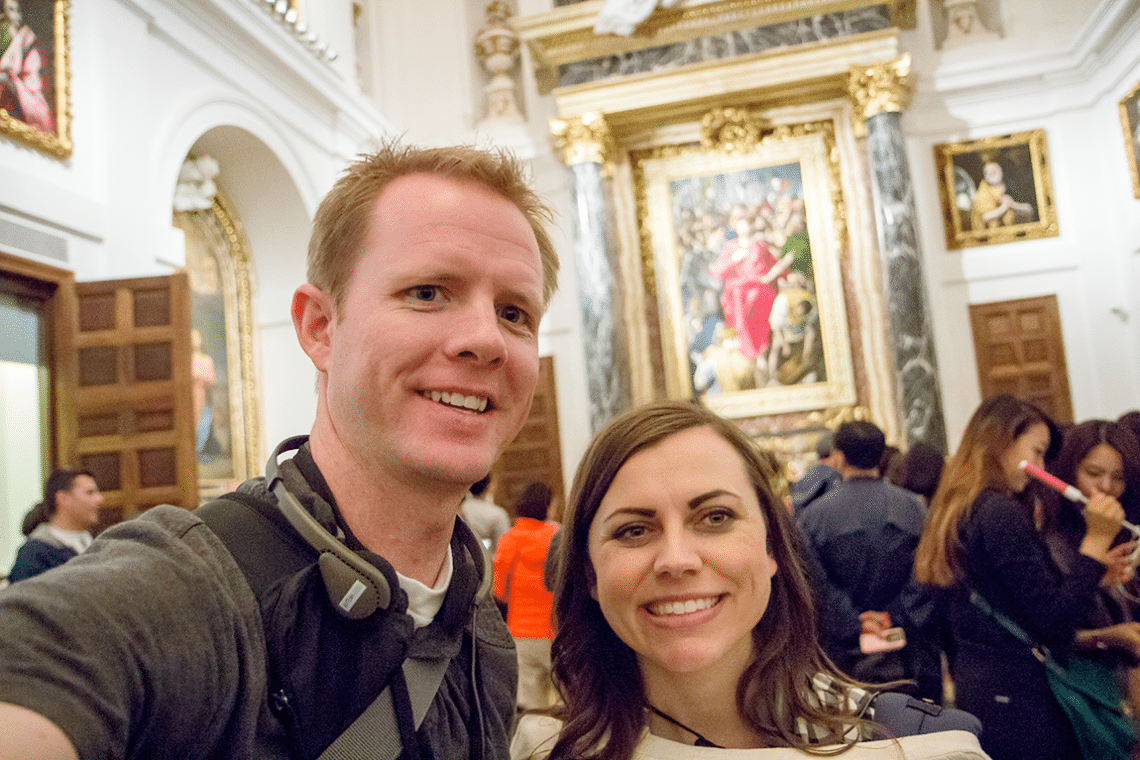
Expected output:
(313, 318)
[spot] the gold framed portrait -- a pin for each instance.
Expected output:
(35, 75)
(1130, 123)
(996, 189)
(745, 248)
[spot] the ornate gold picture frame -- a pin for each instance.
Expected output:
(227, 439)
(1130, 123)
(746, 241)
(35, 75)
(996, 190)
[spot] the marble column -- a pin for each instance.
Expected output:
(879, 95)
(587, 148)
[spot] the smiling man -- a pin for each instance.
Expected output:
(429, 270)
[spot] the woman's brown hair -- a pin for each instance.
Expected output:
(597, 674)
(995, 425)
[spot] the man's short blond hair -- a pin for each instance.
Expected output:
(343, 217)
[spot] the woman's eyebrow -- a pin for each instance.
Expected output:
(697, 501)
(630, 511)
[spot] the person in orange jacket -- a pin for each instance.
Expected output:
(518, 567)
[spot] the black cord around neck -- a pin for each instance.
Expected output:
(701, 741)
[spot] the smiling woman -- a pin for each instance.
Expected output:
(685, 619)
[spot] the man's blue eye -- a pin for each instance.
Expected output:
(425, 292)
(512, 314)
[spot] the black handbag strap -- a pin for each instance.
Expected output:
(1040, 651)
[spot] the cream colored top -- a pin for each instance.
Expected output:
(536, 735)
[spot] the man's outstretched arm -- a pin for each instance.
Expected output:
(27, 735)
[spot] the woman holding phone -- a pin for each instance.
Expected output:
(982, 538)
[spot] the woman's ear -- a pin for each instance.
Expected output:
(313, 319)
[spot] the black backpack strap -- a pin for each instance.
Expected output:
(266, 548)
(262, 542)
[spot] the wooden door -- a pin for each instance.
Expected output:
(1020, 351)
(535, 454)
(54, 288)
(133, 401)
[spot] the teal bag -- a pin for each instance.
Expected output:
(1088, 692)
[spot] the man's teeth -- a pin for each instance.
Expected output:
(474, 403)
(682, 608)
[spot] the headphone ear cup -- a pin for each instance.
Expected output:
(352, 593)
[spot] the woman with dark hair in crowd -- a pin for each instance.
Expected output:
(1099, 456)
(686, 624)
(1095, 456)
(58, 527)
(982, 538)
(919, 470)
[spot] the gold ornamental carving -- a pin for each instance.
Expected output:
(882, 88)
(729, 130)
(585, 138)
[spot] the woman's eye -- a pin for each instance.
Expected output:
(425, 292)
(719, 518)
(630, 532)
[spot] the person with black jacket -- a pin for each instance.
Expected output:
(59, 527)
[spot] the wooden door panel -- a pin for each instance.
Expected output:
(134, 411)
(536, 453)
(1020, 351)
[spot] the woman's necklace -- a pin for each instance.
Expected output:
(701, 741)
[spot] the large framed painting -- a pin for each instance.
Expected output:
(746, 247)
(34, 74)
(1130, 123)
(996, 190)
(221, 340)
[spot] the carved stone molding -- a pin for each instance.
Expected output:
(497, 47)
(584, 138)
(566, 34)
(882, 88)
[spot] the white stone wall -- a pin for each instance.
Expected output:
(1062, 67)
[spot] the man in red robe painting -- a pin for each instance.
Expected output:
(744, 265)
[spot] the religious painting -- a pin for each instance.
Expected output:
(34, 74)
(996, 190)
(1130, 123)
(226, 437)
(746, 248)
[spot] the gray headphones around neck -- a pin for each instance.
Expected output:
(355, 588)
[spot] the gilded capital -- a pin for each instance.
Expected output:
(584, 138)
(882, 88)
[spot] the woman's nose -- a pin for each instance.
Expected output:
(677, 554)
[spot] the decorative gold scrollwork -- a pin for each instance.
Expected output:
(882, 88)
(729, 130)
(584, 138)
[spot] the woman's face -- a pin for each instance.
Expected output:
(679, 551)
(1102, 470)
(1030, 447)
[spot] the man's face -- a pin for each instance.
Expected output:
(78, 509)
(433, 355)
